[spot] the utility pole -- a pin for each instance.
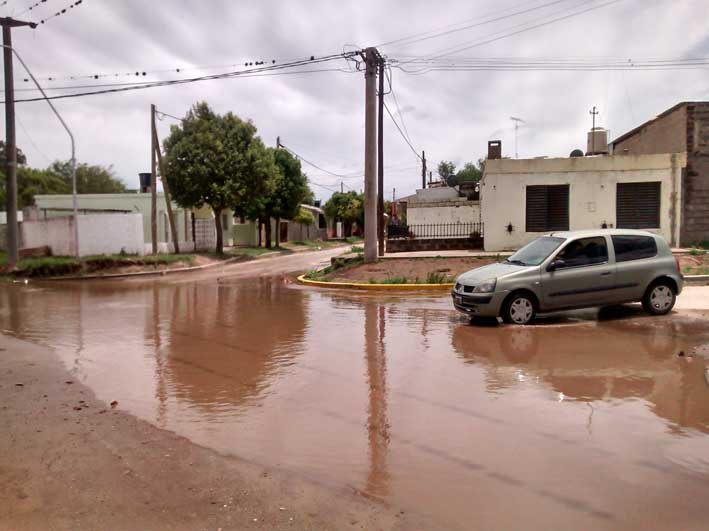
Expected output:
(153, 184)
(165, 186)
(370, 156)
(517, 121)
(342, 187)
(593, 112)
(380, 161)
(11, 140)
(423, 169)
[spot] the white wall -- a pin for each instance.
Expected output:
(592, 193)
(98, 234)
(457, 211)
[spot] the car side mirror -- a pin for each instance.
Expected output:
(556, 264)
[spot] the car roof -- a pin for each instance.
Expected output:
(600, 232)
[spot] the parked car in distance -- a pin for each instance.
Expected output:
(569, 270)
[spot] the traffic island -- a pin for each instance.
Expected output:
(406, 274)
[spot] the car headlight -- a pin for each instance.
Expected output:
(488, 286)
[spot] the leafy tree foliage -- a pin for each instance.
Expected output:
(304, 217)
(347, 207)
(445, 170)
(21, 159)
(219, 161)
(90, 179)
(469, 173)
(31, 182)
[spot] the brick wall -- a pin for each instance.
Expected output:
(438, 244)
(683, 128)
(695, 214)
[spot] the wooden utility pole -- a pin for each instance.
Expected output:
(380, 161)
(423, 169)
(13, 239)
(370, 156)
(165, 185)
(153, 185)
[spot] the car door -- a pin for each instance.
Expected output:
(584, 275)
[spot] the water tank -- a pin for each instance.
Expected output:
(597, 142)
(145, 179)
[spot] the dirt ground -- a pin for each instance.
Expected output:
(697, 264)
(415, 270)
(69, 462)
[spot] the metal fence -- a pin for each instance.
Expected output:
(436, 231)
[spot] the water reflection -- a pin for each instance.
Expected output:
(396, 397)
(650, 359)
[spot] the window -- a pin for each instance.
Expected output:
(547, 208)
(629, 248)
(535, 252)
(583, 252)
(638, 205)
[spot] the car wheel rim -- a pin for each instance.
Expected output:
(661, 298)
(521, 310)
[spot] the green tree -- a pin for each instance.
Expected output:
(469, 173)
(219, 161)
(304, 218)
(90, 179)
(21, 159)
(347, 207)
(31, 182)
(445, 170)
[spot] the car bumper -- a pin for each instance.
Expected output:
(479, 304)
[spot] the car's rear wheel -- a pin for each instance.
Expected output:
(519, 309)
(659, 298)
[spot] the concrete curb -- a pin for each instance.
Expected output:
(374, 287)
(696, 279)
(146, 273)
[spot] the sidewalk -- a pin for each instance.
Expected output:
(693, 298)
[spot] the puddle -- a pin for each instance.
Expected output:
(584, 418)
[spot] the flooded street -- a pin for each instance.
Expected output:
(603, 423)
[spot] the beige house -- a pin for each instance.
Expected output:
(523, 199)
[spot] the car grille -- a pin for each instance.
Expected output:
(465, 289)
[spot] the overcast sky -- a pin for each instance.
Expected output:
(449, 114)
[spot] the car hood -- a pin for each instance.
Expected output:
(487, 272)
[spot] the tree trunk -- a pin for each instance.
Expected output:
(220, 232)
(268, 232)
(260, 227)
(278, 232)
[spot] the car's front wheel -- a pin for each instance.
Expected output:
(659, 298)
(519, 309)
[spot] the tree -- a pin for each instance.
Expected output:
(470, 174)
(445, 170)
(31, 182)
(347, 207)
(89, 179)
(21, 159)
(290, 188)
(219, 161)
(304, 218)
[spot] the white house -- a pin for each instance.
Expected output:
(523, 199)
(434, 206)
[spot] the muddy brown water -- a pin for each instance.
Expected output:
(583, 421)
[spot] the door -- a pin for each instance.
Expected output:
(584, 275)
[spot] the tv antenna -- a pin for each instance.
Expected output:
(517, 121)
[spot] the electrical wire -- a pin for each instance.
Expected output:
(338, 175)
(396, 102)
(225, 75)
(62, 11)
(30, 8)
(31, 140)
(413, 149)
(477, 24)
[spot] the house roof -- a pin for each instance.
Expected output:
(672, 109)
(313, 209)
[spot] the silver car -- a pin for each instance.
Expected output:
(567, 270)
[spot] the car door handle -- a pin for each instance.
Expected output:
(607, 273)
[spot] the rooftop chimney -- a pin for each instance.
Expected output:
(494, 149)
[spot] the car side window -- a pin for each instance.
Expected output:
(583, 252)
(628, 248)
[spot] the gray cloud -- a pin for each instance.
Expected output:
(451, 115)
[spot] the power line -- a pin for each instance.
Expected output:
(32, 142)
(33, 6)
(413, 149)
(338, 175)
(62, 11)
(225, 75)
(396, 102)
(478, 24)
(461, 48)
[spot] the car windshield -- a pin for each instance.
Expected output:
(535, 252)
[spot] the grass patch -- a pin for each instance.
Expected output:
(57, 266)
(390, 280)
(357, 250)
(254, 252)
(436, 277)
(354, 239)
(695, 271)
